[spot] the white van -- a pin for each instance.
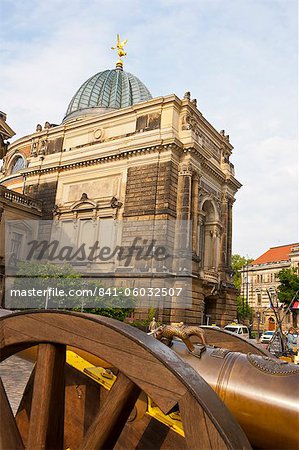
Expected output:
(240, 330)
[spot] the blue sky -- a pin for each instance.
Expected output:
(237, 57)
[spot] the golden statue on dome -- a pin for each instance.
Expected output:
(120, 50)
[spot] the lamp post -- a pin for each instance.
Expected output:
(84, 284)
(247, 288)
(258, 315)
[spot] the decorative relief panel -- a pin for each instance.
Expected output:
(220, 353)
(99, 188)
(206, 187)
(148, 122)
(272, 366)
(98, 133)
(42, 147)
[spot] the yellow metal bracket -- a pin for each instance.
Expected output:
(106, 378)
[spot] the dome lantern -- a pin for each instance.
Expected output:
(108, 90)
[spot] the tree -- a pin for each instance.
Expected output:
(244, 311)
(289, 285)
(50, 279)
(238, 262)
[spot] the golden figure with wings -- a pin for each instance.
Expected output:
(120, 50)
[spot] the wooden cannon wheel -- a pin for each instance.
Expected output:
(144, 364)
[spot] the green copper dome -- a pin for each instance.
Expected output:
(108, 90)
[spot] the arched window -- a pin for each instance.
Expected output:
(271, 324)
(17, 164)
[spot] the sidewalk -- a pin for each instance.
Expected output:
(15, 372)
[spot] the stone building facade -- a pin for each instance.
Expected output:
(137, 158)
(13, 205)
(261, 275)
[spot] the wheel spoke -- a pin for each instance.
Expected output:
(47, 409)
(109, 422)
(9, 433)
(207, 423)
(201, 435)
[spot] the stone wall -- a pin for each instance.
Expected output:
(151, 189)
(46, 193)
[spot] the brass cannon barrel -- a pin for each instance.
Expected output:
(261, 392)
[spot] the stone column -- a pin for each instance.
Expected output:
(201, 237)
(226, 239)
(229, 232)
(195, 213)
(214, 247)
(224, 211)
(183, 234)
(184, 211)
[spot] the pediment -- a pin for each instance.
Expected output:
(5, 130)
(83, 205)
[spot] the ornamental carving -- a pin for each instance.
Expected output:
(220, 353)
(226, 198)
(98, 133)
(185, 168)
(39, 147)
(43, 147)
(190, 122)
(115, 203)
(34, 148)
(272, 366)
(207, 188)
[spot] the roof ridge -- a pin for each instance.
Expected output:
(285, 245)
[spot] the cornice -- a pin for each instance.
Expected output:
(5, 130)
(102, 159)
(188, 105)
(81, 122)
(233, 183)
(206, 164)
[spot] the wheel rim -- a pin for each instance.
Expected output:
(144, 364)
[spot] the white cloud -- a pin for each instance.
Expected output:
(265, 213)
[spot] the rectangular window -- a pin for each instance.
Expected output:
(15, 244)
(259, 299)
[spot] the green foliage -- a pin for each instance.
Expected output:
(114, 313)
(32, 277)
(40, 276)
(46, 270)
(143, 324)
(238, 262)
(116, 306)
(289, 285)
(140, 324)
(151, 313)
(244, 311)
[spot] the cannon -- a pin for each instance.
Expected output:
(100, 384)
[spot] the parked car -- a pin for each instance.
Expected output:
(266, 337)
(241, 330)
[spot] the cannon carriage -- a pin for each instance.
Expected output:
(100, 384)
